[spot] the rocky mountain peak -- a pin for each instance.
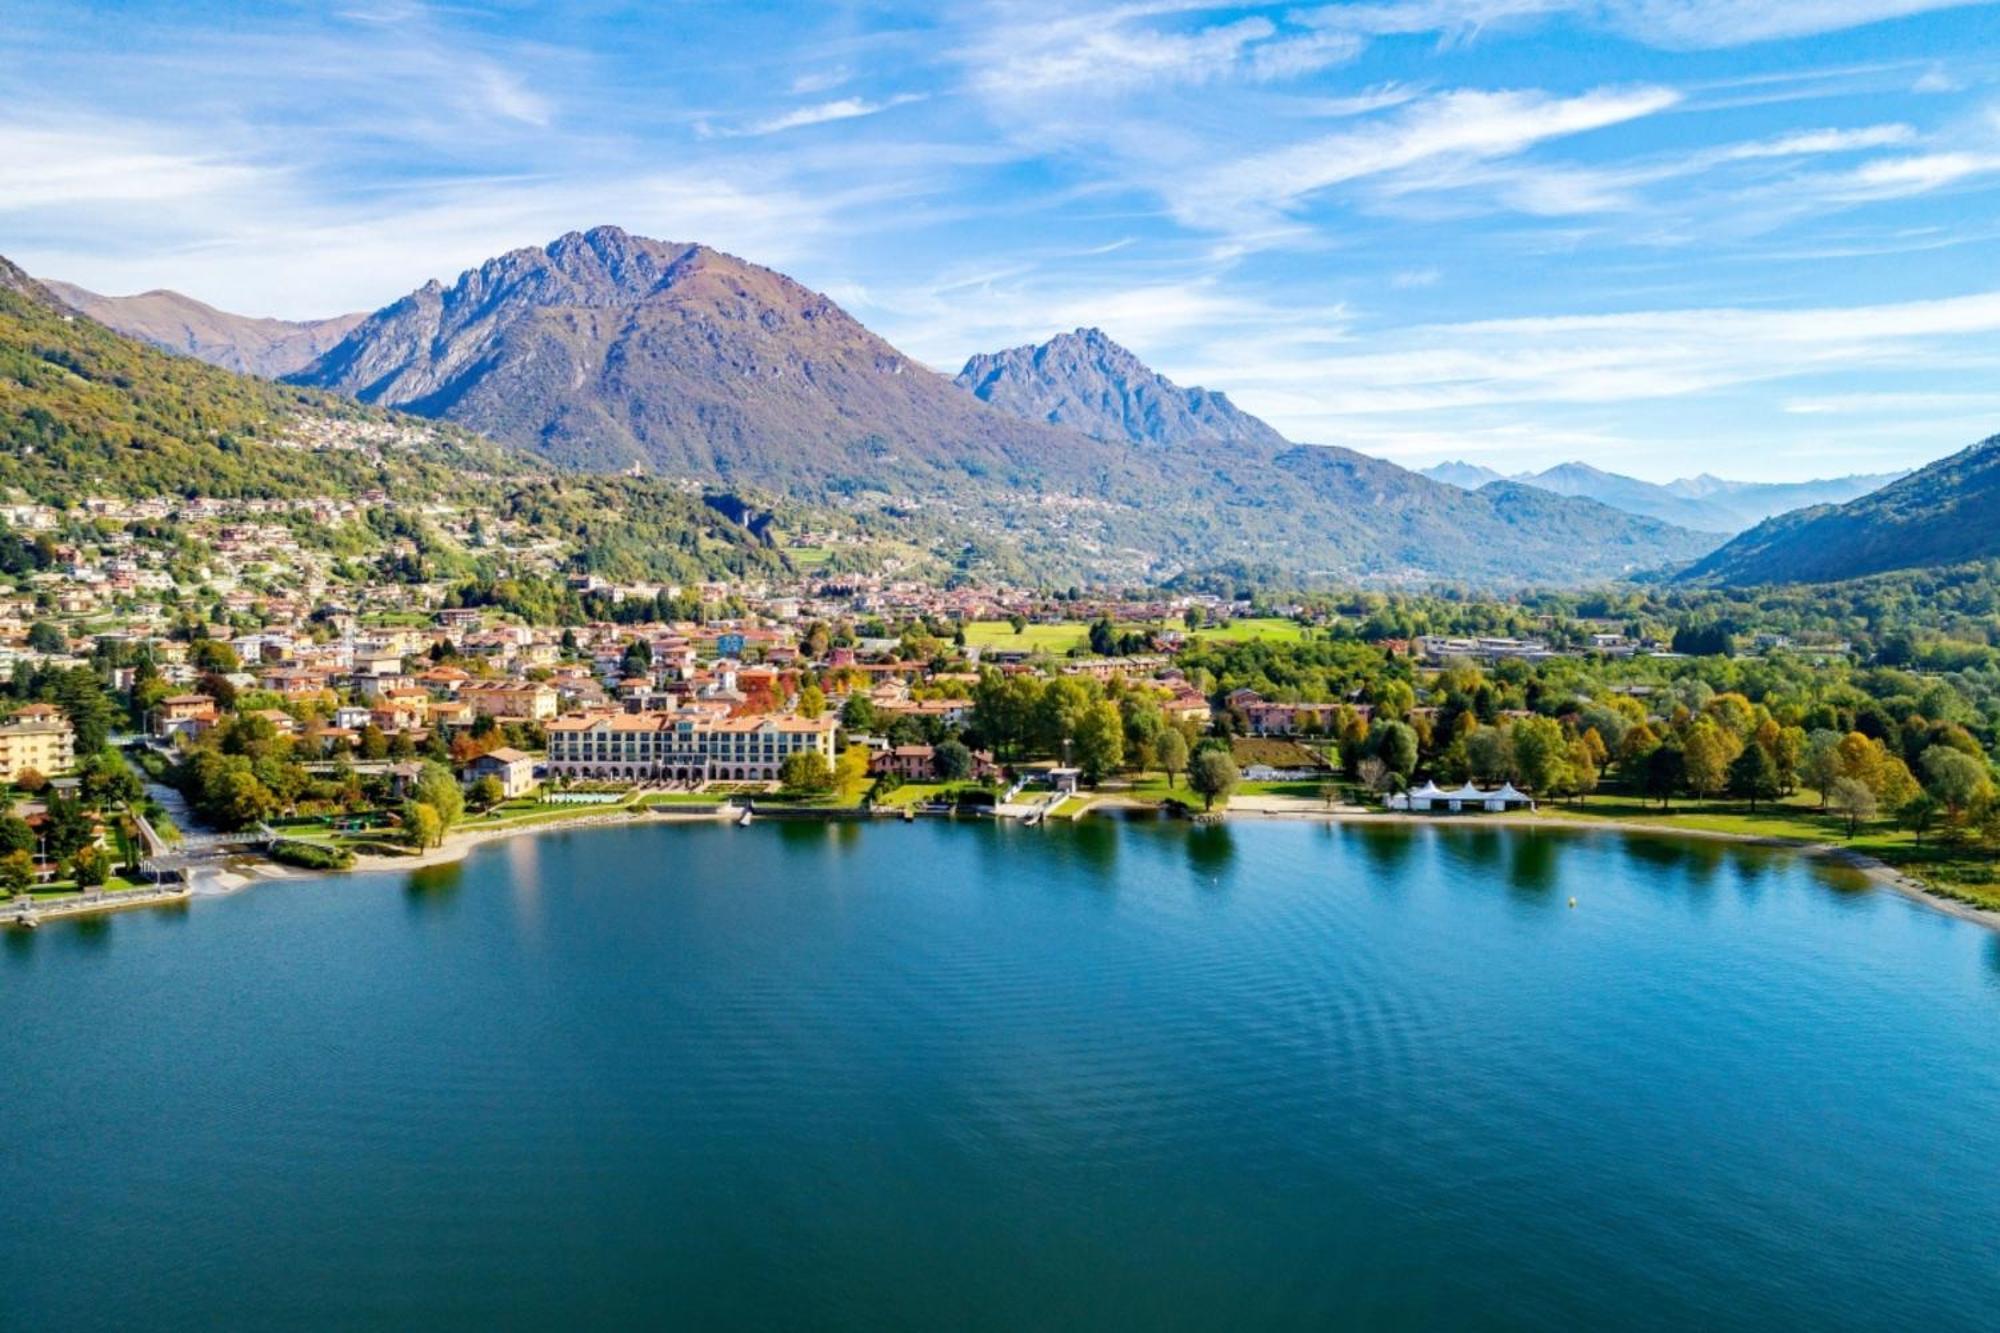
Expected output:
(1087, 381)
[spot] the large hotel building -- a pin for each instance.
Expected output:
(691, 745)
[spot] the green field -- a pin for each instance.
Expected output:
(1061, 637)
(1058, 638)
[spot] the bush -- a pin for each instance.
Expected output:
(311, 856)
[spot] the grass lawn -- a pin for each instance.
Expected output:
(807, 556)
(916, 793)
(1057, 639)
(1268, 628)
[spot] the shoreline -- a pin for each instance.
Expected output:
(460, 844)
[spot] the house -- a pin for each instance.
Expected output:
(184, 715)
(37, 738)
(906, 761)
(514, 768)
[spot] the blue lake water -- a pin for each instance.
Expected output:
(929, 1076)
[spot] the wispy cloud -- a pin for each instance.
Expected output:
(823, 113)
(1464, 127)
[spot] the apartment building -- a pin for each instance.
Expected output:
(689, 745)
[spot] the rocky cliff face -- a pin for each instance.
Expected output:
(1089, 383)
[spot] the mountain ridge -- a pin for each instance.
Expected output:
(604, 350)
(1086, 381)
(246, 344)
(1703, 503)
(1944, 514)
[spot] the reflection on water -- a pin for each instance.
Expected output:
(1531, 866)
(431, 888)
(1210, 849)
(1096, 843)
(1385, 847)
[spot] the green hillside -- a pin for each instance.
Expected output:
(1945, 514)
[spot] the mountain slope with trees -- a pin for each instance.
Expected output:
(243, 343)
(607, 351)
(1944, 514)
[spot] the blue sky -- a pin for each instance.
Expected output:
(1662, 236)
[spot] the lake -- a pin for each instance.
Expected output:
(965, 1076)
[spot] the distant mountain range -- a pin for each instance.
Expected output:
(1703, 503)
(604, 350)
(1089, 383)
(1944, 514)
(267, 347)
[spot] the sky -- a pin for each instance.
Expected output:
(1757, 238)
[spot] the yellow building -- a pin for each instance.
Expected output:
(37, 738)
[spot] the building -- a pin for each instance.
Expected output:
(37, 738)
(525, 701)
(906, 761)
(695, 744)
(184, 714)
(514, 768)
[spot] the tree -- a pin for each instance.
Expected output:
(17, 871)
(1819, 766)
(46, 638)
(1956, 779)
(1585, 762)
(806, 773)
(1100, 740)
(812, 701)
(487, 792)
(67, 828)
(1666, 768)
(1541, 755)
(1212, 774)
(951, 762)
(437, 788)
(1375, 775)
(1754, 776)
(1395, 744)
(1707, 758)
(90, 868)
(15, 835)
(1170, 751)
(1853, 798)
(858, 713)
(850, 774)
(1919, 813)
(421, 825)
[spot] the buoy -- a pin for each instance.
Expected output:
(1572, 903)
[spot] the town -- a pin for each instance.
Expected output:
(200, 680)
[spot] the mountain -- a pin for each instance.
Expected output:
(1703, 504)
(606, 351)
(88, 412)
(1089, 383)
(1943, 514)
(1744, 504)
(1465, 476)
(267, 347)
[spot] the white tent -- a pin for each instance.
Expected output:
(1466, 797)
(1508, 798)
(1421, 799)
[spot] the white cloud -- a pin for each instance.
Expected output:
(1100, 51)
(106, 163)
(1674, 24)
(845, 108)
(1458, 127)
